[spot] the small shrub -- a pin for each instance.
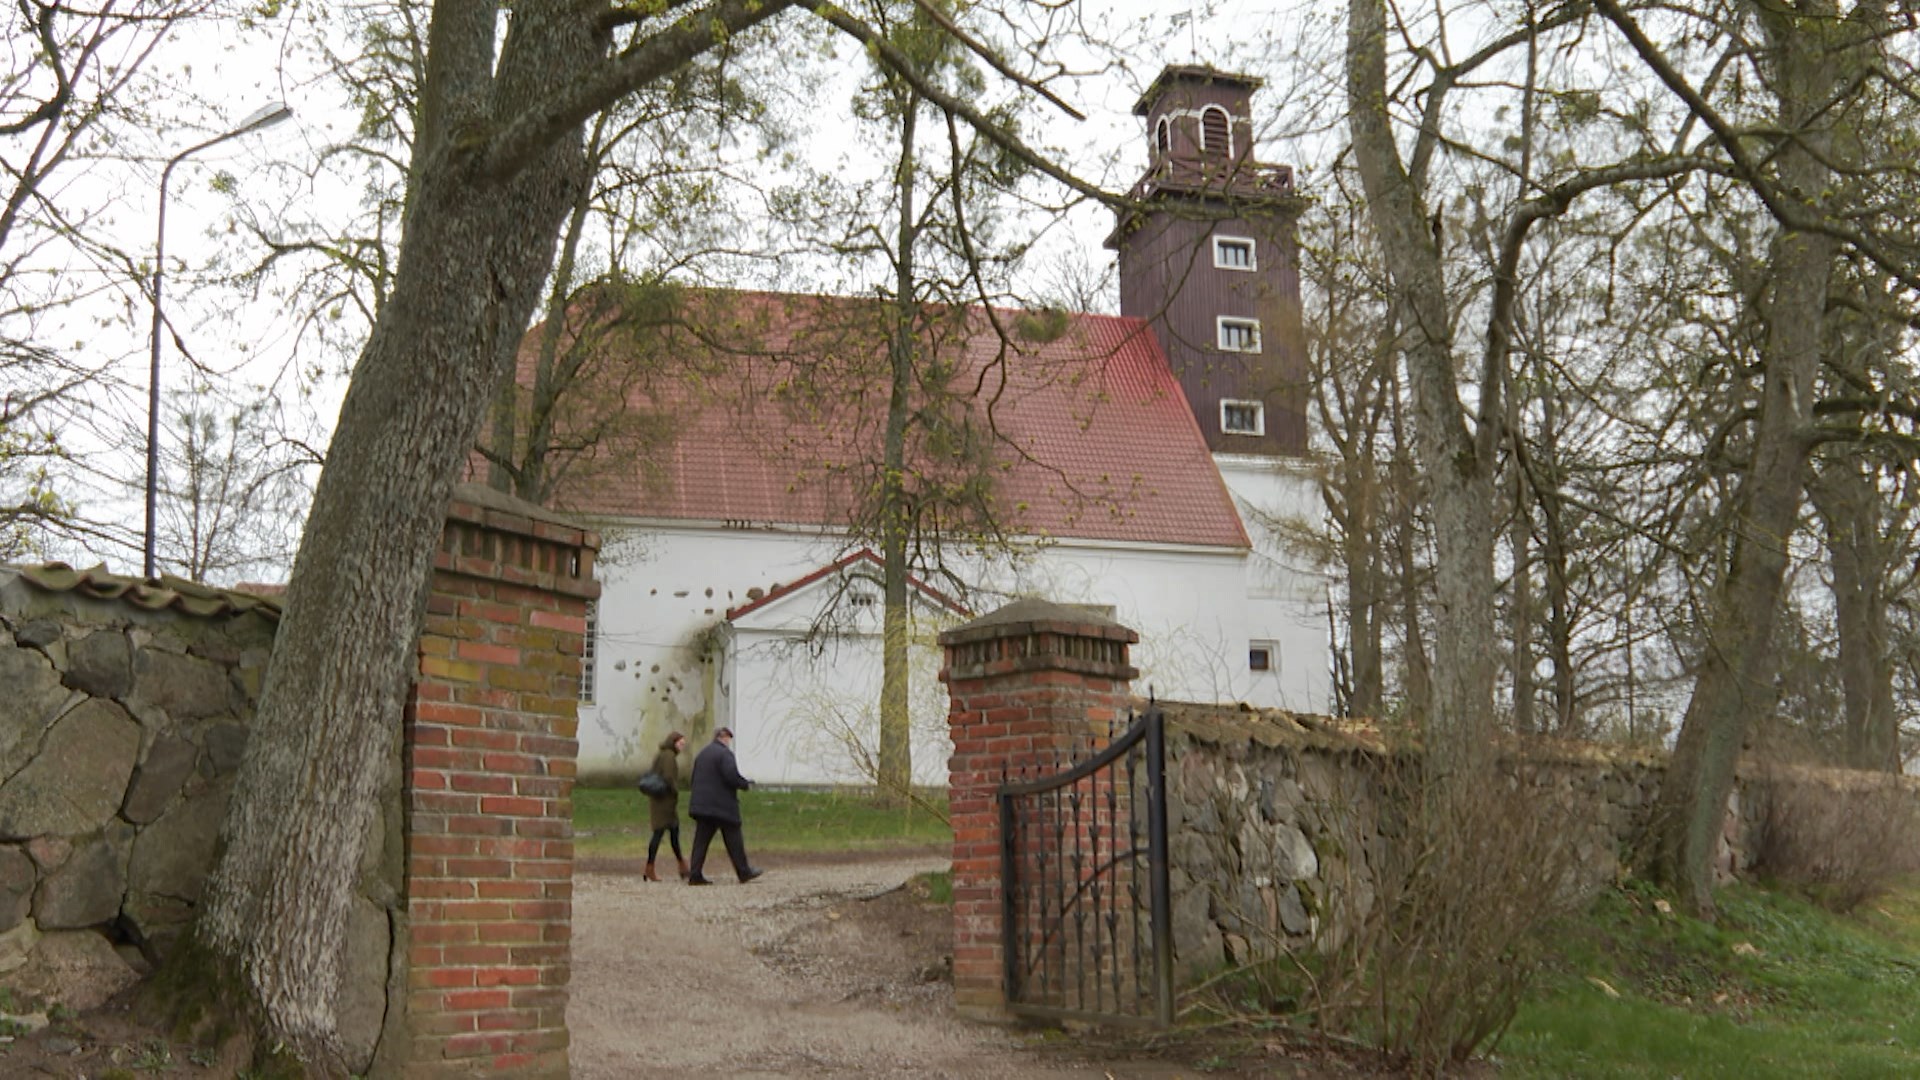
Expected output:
(155, 1056)
(1465, 897)
(1429, 934)
(1843, 838)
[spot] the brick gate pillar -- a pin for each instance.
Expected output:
(490, 754)
(1026, 684)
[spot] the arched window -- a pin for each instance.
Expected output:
(1163, 136)
(1215, 133)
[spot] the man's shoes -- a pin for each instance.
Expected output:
(696, 879)
(750, 875)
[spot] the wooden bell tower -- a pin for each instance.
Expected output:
(1209, 257)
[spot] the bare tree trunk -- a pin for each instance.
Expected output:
(1352, 382)
(1520, 539)
(471, 268)
(1414, 663)
(896, 720)
(1361, 551)
(1559, 608)
(1735, 681)
(1848, 502)
(529, 450)
(1457, 469)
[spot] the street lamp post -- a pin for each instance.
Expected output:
(264, 118)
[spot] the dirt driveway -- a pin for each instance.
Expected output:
(818, 969)
(814, 970)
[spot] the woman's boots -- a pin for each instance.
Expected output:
(683, 867)
(649, 875)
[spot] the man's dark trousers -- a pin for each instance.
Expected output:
(730, 835)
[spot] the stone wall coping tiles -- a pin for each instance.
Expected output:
(166, 593)
(1219, 724)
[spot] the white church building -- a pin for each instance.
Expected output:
(1144, 465)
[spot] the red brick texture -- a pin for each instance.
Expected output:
(490, 758)
(1026, 685)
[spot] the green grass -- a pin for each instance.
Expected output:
(939, 886)
(1815, 994)
(612, 822)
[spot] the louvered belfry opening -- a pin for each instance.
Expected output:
(1214, 132)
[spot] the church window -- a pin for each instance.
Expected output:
(1238, 335)
(1233, 253)
(1260, 656)
(1216, 134)
(1243, 417)
(1163, 136)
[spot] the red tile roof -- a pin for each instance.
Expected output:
(763, 408)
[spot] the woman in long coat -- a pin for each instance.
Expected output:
(664, 808)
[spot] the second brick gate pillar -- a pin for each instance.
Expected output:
(1027, 684)
(490, 745)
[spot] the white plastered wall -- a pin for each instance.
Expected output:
(666, 659)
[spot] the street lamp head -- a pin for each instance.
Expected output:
(265, 117)
(262, 118)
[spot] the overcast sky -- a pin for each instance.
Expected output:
(223, 73)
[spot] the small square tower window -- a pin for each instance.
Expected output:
(1239, 335)
(1234, 253)
(1243, 417)
(1260, 656)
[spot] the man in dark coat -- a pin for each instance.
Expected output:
(715, 807)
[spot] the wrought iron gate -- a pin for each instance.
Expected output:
(1086, 915)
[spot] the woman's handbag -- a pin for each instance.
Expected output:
(652, 783)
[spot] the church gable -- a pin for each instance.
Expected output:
(848, 588)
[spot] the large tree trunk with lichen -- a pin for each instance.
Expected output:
(1459, 724)
(1737, 668)
(473, 259)
(481, 223)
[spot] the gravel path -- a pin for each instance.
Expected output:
(728, 981)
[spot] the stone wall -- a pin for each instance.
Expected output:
(125, 718)
(1278, 825)
(127, 709)
(1278, 822)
